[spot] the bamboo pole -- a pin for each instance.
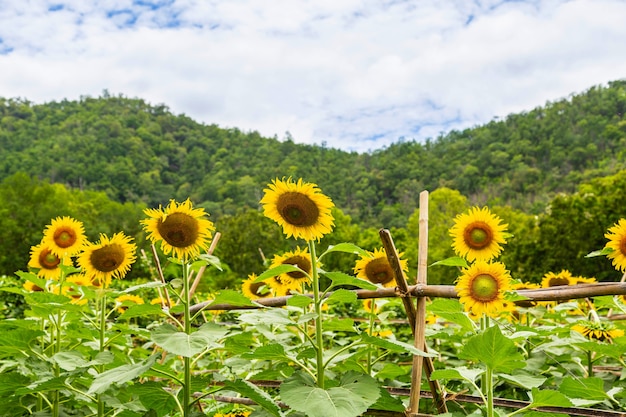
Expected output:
(195, 283)
(403, 292)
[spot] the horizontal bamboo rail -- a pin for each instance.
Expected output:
(560, 293)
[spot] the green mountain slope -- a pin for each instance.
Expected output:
(137, 152)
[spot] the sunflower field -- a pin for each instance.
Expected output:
(299, 340)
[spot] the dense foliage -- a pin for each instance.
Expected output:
(105, 159)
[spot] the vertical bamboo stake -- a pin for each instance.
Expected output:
(194, 286)
(420, 316)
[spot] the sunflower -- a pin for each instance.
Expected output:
(617, 242)
(478, 234)
(300, 208)
(32, 287)
(108, 258)
(123, 301)
(554, 280)
(602, 331)
(162, 301)
(375, 267)
(64, 236)
(74, 291)
(525, 286)
(180, 228)
(301, 259)
(48, 264)
(482, 286)
(583, 280)
(280, 287)
(254, 290)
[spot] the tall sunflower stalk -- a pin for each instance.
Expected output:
(182, 231)
(101, 261)
(303, 212)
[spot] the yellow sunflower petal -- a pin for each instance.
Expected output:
(47, 263)
(300, 258)
(299, 208)
(617, 241)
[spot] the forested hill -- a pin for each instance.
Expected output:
(135, 151)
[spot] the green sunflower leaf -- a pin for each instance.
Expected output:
(234, 298)
(493, 350)
(280, 269)
(341, 296)
(591, 389)
(120, 375)
(298, 300)
(179, 343)
(602, 252)
(206, 259)
(345, 247)
(548, 398)
(452, 261)
(339, 278)
(350, 398)
(248, 390)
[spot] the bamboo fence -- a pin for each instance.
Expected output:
(414, 300)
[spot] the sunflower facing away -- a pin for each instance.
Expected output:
(108, 258)
(554, 280)
(617, 241)
(180, 228)
(299, 207)
(255, 290)
(301, 259)
(602, 331)
(482, 286)
(124, 301)
(64, 236)
(42, 258)
(478, 235)
(375, 268)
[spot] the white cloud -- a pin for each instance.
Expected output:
(355, 74)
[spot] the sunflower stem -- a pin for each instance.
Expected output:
(371, 333)
(489, 388)
(102, 327)
(187, 329)
(589, 364)
(319, 347)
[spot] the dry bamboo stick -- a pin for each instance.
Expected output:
(566, 292)
(403, 288)
(192, 290)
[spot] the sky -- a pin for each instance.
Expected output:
(357, 75)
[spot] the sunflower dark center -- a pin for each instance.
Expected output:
(302, 263)
(484, 287)
(64, 237)
(107, 258)
(298, 209)
(179, 230)
(478, 235)
(556, 281)
(255, 288)
(378, 271)
(47, 260)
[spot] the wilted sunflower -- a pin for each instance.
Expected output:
(48, 264)
(300, 208)
(482, 286)
(617, 241)
(375, 267)
(602, 331)
(478, 234)
(254, 290)
(124, 301)
(64, 236)
(554, 280)
(301, 259)
(180, 228)
(108, 258)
